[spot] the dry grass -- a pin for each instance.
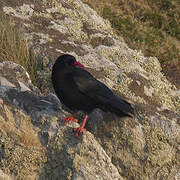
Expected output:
(23, 133)
(13, 46)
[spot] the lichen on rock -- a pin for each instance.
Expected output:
(34, 142)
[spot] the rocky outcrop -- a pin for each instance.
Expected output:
(34, 142)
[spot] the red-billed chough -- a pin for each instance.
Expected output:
(79, 90)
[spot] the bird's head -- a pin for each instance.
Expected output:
(67, 60)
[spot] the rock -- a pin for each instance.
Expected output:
(14, 75)
(31, 127)
(69, 157)
(33, 138)
(4, 176)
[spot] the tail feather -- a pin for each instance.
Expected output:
(121, 107)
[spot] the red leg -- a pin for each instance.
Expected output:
(69, 119)
(81, 128)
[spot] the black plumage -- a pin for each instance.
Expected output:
(79, 90)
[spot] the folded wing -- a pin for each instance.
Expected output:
(101, 94)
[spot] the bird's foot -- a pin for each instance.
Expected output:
(79, 130)
(69, 119)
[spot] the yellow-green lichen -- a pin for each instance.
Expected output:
(21, 161)
(159, 151)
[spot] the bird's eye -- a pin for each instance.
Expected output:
(70, 63)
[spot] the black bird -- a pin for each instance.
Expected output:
(79, 90)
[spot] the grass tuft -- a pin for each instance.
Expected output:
(13, 46)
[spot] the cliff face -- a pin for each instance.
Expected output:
(34, 142)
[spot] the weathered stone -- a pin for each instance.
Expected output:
(35, 144)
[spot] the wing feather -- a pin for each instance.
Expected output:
(99, 92)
